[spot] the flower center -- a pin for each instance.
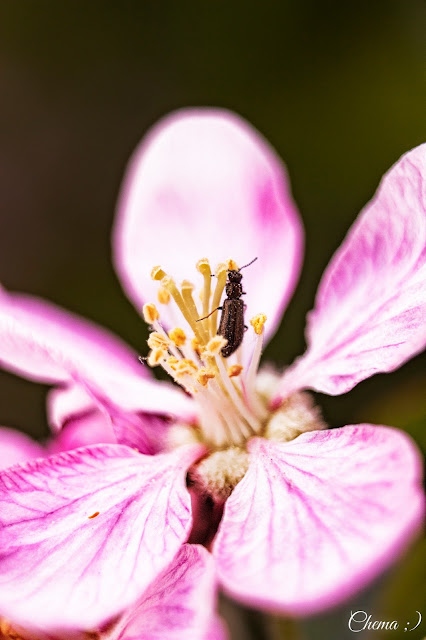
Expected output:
(194, 354)
(234, 403)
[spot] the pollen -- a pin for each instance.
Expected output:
(197, 346)
(177, 336)
(157, 341)
(234, 370)
(190, 351)
(186, 367)
(173, 362)
(157, 273)
(155, 357)
(163, 296)
(150, 313)
(204, 375)
(232, 265)
(203, 266)
(257, 322)
(215, 346)
(94, 515)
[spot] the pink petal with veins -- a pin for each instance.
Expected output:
(16, 447)
(316, 518)
(370, 310)
(47, 344)
(83, 533)
(179, 604)
(204, 183)
(79, 419)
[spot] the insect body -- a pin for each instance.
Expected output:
(231, 325)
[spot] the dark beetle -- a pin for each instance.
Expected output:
(231, 324)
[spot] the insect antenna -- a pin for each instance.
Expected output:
(248, 264)
(210, 314)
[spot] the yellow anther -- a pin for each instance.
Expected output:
(214, 346)
(163, 296)
(157, 273)
(203, 266)
(155, 357)
(186, 366)
(235, 370)
(204, 375)
(232, 265)
(198, 348)
(221, 268)
(157, 341)
(257, 323)
(150, 313)
(173, 362)
(177, 336)
(187, 286)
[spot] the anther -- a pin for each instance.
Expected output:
(157, 273)
(204, 375)
(203, 267)
(155, 357)
(173, 362)
(186, 366)
(232, 265)
(234, 370)
(177, 336)
(157, 341)
(257, 323)
(150, 313)
(163, 296)
(214, 346)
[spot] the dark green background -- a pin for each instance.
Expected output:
(337, 87)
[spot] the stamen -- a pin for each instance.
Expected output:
(249, 384)
(150, 313)
(187, 289)
(157, 341)
(234, 370)
(177, 336)
(186, 367)
(214, 346)
(257, 323)
(157, 273)
(203, 267)
(173, 362)
(222, 274)
(243, 410)
(155, 357)
(163, 296)
(232, 265)
(204, 375)
(169, 284)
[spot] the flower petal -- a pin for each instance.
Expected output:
(316, 518)
(371, 304)
(179, 604)
(204, 183)
(16, 447)
(83, 533)
(47, 344)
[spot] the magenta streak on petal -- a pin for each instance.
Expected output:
(60, 569)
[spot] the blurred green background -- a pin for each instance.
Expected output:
(337, 87)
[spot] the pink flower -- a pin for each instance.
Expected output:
(178, 604)
(297, 517)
